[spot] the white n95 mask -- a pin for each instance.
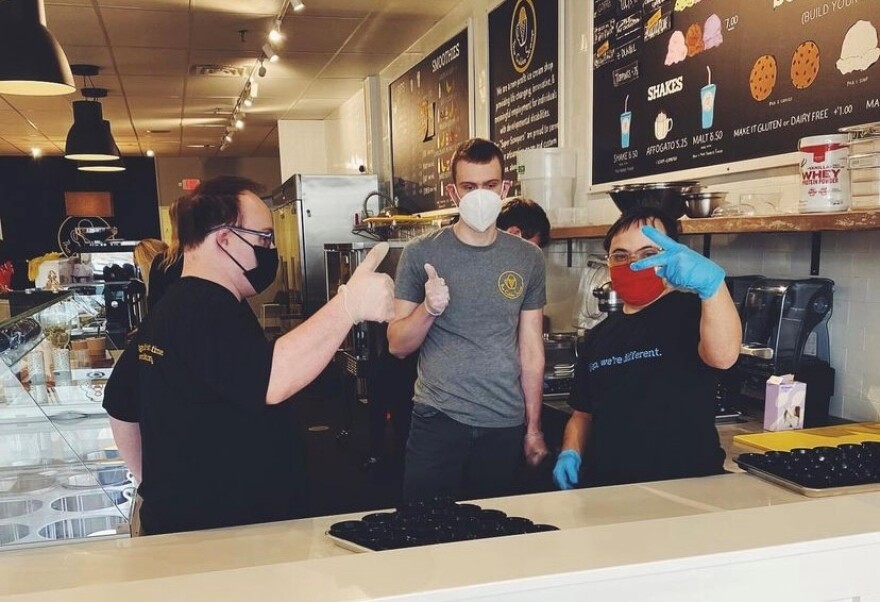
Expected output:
(480, 208)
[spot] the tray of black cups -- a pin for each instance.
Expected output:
(819, 471)
(436, 521)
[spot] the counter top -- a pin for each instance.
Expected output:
(599, 528)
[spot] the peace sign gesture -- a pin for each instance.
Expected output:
(681, 266)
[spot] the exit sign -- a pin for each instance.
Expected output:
(189, 184)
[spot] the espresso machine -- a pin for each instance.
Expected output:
(785, 331)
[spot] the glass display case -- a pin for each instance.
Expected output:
(61, 476)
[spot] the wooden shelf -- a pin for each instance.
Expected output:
(796, 222)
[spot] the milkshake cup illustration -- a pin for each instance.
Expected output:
(625, 123)
(662, 125)
(707, 101)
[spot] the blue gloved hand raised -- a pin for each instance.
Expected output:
(680, 266)
(565, 473)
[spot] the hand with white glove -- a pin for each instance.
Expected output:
(436, 292)
(682, 267)
(369, 295)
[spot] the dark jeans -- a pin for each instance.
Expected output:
(447, 458)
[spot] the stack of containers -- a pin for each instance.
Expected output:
(864, 165)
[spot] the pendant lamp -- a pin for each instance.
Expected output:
(32, 62)
(94, 166)
(89, 138)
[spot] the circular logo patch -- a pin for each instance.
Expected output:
(523, 35)
(511, 285)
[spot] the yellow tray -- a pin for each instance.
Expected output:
(856, 432)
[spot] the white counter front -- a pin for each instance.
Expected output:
(716, 538)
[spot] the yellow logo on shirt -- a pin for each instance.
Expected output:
(148, 353)
(511, 285)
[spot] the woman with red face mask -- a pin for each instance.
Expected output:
(644, 394)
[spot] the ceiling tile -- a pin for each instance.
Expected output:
(357, 65)
(257, 7)
(90, 55)
(152, 107)
(157, 86)
(146, 28)
(18, 128)
(287, 89)
(299, 64)
(43, 103)
(209, 106)
(342, 89)
(341, 8)
(312, 109)
(222, 31)
(75, 25)
(178, 5)
(373, 35)
(203, 86)
(317, 34)
(151, 61)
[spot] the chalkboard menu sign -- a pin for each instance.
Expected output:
(430, 117)
(679, 84)
(523, 77)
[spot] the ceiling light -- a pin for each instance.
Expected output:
(228, 138)
(297, 5)
(239, 124)
(114, 166)
(89, 138)
(36, 152)
(255, 90)
(32, 62)
(249, 102)
(262, 70)
(151, 152)
(270, 53)
(275, 36)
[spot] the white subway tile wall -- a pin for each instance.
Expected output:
(848, 258)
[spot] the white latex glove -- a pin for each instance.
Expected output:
(369, 295)
(436, 292)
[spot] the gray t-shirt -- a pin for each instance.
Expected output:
(469, 362)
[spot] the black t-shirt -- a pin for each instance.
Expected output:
(651, 397)
(214, 453)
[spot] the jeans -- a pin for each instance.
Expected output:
(445, 457)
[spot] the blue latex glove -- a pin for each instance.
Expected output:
(681, 266)
(565, 473)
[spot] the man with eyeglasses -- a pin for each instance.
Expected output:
(644, 394)
(199, 402)
(469, 299)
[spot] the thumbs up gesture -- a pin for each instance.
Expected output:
(369, 295)
(436, 292)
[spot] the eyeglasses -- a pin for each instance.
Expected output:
(267, 239)
(625, 257)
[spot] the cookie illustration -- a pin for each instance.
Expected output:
(805, 65)
(694, 38)
(762, 79)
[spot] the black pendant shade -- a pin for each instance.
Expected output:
(32, 62)
(89, 138)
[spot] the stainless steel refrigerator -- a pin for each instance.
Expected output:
(308, 211)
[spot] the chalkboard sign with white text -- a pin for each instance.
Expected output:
(680, 84)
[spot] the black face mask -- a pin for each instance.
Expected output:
(261, 276)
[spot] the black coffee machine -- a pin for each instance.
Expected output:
(785, 331)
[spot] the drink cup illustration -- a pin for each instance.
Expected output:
(707, 102)
(625, 122)
(662, 125)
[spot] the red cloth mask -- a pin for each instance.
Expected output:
(636, 287)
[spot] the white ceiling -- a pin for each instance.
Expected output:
(145, 49)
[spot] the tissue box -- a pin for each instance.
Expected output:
(784, 402)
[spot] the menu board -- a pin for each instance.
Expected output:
(430, 117)
(523, 77)
(679, 84)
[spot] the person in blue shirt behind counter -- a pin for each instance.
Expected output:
(644, 393)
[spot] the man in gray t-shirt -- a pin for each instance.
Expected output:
(470, 297)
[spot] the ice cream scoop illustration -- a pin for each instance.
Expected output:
(681, 5)
(678, 49)
(712, 36)
(859, 49)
